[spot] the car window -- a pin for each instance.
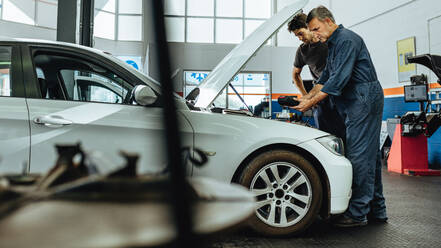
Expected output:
(5, 71)
(91, 87)
(67, 78)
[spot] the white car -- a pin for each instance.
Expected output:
(54, 93)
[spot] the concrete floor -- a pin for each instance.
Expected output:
(414, 209)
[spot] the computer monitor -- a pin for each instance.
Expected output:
(416, 93)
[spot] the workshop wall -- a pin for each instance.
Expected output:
(356, 11)
(275, 59)
(388, 22)
(381, 33)
(19, 30)
(126, 48)
(284, 38)
(204, 57)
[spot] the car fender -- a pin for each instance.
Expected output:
(230, 139)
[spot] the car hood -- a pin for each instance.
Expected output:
(248, 131)
(223, 73)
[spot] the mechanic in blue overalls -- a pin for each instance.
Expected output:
(350, 81)
(313, 53)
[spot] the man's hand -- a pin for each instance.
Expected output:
(304, 105)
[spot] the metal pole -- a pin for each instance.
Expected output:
(180, 196)
(67, 21)
(86, 22)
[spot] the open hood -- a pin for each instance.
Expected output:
(224, 72)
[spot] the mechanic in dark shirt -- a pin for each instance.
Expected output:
(313, 53)
(351, 81)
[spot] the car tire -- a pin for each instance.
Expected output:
(287, 203)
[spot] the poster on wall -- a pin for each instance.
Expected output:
(134, 61)
(405, 49)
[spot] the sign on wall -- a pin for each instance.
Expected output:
(405, 49)
(134, 61)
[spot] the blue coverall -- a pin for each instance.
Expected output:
(351, 82)
(327, 119)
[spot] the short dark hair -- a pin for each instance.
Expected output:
(321, 13)
(299, 21)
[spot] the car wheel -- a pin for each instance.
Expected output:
(287, 189)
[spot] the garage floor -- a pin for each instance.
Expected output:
(414, 209)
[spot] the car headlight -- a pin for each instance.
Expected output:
(333, 144)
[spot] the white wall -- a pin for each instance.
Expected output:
(355, 11)
(434, 26)
(284, 38)
(48, 18)
(19, 30)
(435, 34)
(127, 48)
(383, 31)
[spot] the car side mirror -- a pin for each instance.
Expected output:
(144, 95)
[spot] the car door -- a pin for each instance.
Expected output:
(14, 120)
(84, 100)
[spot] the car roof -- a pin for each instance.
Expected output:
(48, 42)
(145, 78)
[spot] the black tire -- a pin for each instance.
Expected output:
(304, 168)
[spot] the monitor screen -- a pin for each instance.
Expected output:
(416, 93)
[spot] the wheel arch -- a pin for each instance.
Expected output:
(326, 201)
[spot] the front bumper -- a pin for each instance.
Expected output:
(339, 172)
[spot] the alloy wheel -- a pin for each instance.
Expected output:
(283, 193)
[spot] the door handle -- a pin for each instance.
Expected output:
(52, 121)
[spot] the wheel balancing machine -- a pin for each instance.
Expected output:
(409, 154)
